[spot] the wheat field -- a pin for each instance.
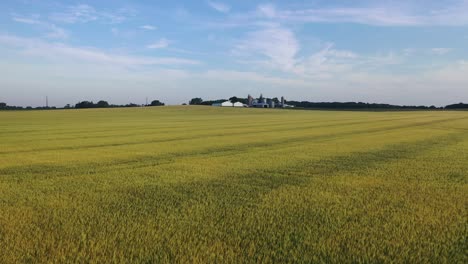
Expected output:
(212, 185)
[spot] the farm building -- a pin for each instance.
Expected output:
(263, 102)
(229, 104)
(223, 104)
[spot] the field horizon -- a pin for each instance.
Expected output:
(233, 185)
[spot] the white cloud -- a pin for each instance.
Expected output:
(53, 31)
(440, 51)
(455, 73)
(79, 13)
(24, 20)
(129, 34)
(83, 13)
(326, 63)
(388, 13)
(220, 7)
(367, 15)
(267, 10)
(277, 43)
(341, 54)
(148, 27)
(57, 51)
(57, 33)
(409, 51)
(274, 47)
(160, 44)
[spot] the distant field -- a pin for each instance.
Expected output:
(202, 184)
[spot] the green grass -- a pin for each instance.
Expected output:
(202, 184)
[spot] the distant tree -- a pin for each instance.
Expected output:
(214, 102)
(85, 104)
(457, 106)
(156, 103)
(3, 105)
(102, 104)
(234, 99)
(184, 104)
(67, 106)
(131, 105)
(196, 101)
(276, 100)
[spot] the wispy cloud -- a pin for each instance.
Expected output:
(48, 50)
(148, 27)
(367, 15)
(220, 7)
(267, 10)
(276, 48)
(24, 20)
(53, 31)
(128, 34)
(378, 14)
(278, 44)
(326, 63)
(74, 14)
(160, 44)
(440, 51)
(83, 13)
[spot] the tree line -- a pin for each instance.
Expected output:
(5, 106)
(361, 105)
(356, 105)
(80, 105)
(457, 106)
(105, 104)
(297, 104)
(333, 105)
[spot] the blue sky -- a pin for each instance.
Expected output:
(400, 52)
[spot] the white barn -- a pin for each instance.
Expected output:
(238, 104)
(224, 104)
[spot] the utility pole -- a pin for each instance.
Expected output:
(47, 101)
(146, 101)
